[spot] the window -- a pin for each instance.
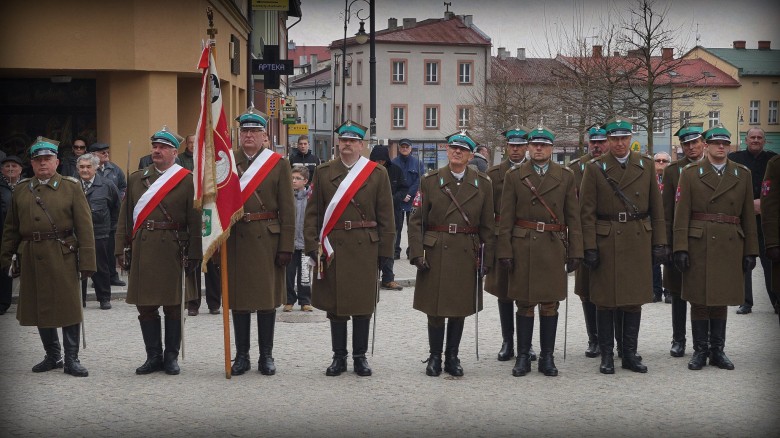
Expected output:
(465, 72)
(348, 73)
(714, 96)
(714, 118)
(399, 116)
(772, 120)
(754, 114)
(431, 116)
(464, 117)
(337, 115)
(569, 120)
(324, 112)
(349, 111)
(432, 71)
(359, 72)
(305, 113)
(336, 75)
(359, 118)
(634, 116)
(685, 117)
(658, 122)
(398, 74)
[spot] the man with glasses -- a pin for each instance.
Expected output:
(412, 170)
(111, 172)
(715, 244)
(68, 164)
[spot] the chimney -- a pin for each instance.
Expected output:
(449, 15)
(764, 45)
(597, 51)
(409, 23)
(468, 20)
(502, 53)
(392, 23)
(521, 54)
(667, 53)
(739, 44)
(313, 62)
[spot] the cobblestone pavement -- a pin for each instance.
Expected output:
(399, 399)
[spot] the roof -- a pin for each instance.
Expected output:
(528, 70)
(433, 31)
(295, 54)
(320, 76)
(750, 62)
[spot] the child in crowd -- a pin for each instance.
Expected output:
(297, 268)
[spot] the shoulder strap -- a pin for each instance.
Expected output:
(531, 187)
(40, 203)
(619, 193)
(448, 192)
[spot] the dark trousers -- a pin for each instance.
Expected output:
(6, 290)
(303, 294)
(400, 217)
(658, 288)
(766, 265)
(387, 269)
(213, 287)
(102, 277)
(113, 275)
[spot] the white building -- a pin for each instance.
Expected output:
(314, 103)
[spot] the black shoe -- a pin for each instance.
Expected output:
(657, 297)
(717, 341)
(338, 366)
(522, 365)
(668, 298)
(47, 364)
(506, 313)
(105, 305)
(152, 364)
(744, 309)
(452, 366)
(70, 343)
(338, 336)
(361, 365)
(453, 336)
(631, 361)
(678, 349)
(118, 282)
(434, 365)
(152, 332)
(241, 329)
(265, 336)
(436, 344)
(606, 336)
(214, 311)
(172, 344)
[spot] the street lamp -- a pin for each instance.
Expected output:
(361, 38)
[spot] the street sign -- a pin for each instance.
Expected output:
(271, 5)
(272, 105)
(298, 129)
(289, 120)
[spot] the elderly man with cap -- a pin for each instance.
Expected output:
(412, 170)
(597, 145)
(451, 241)
(692, 143)
(624, 235)
(261, 243)
(49, 229)
(349, 228)
(113, 173)
(496, 282)
(163, 229)
(539, 232)
(10, 174)
(715, 244)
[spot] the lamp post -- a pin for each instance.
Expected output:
(361, 38)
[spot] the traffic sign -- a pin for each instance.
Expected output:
(298, 129)
(289, 120)
(272, 105)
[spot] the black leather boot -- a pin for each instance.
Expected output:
(701, 349)
(589, 309)
(241, 330)
(679, 312)
(152, 333)
(619, 334)
(360, 346)
(51, 344)
(717, 342)
(172, 345)
(548, 325)
(70, 343)
(525, 332)
(436, 344)
(631, 322)
(454, 333)
(606, 332)
(265, 335)
(507, 318)
(338, 339)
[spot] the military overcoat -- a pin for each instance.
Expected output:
(539, 273)
(449, 287)
(49, 291)
(582, 274)
(624, 276)
(497, 280)
(350, 278)
(155, 277)
(255, 280)
(672, 278)
(770, 213)
(715, 249)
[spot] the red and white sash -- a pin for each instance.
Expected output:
(257, 171)
(344, 193)
(156, 192)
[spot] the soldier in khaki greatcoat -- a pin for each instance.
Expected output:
(539, 232)
(624, 235)
(454, 217)
(597, 145)
(692, 143)
(49, 229)
(497, 281)
(260, 244)
(770, 218)
(163, 226)
(349, 226)
(715, 244)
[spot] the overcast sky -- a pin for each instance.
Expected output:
(536, 25)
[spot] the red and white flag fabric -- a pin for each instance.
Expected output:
(217, 189)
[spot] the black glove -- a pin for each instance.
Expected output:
(483, 271)
(193, 266)
(748, 263)
(572, 264)
(773, 253)
(591, 259)
(660, 254)
(283, 258)
(681, 261)
(421, 263)
(508, 264)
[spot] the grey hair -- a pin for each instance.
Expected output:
(89, 157)
(662, 153)
(756, 128)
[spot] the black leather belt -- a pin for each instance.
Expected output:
(623, 216)
(453, 229)
(351, 225)
(159, 225)
(261, 216)
(47, 235)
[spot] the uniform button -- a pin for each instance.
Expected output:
(713, 237)
(637, 193)
(37, 218)
(534, 237)
(620, 232)
(445, 247)
(712, 202)
(533, 202)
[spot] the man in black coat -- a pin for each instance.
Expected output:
(113, 173)
(11, 167)
(398, 187)
(302, 156)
